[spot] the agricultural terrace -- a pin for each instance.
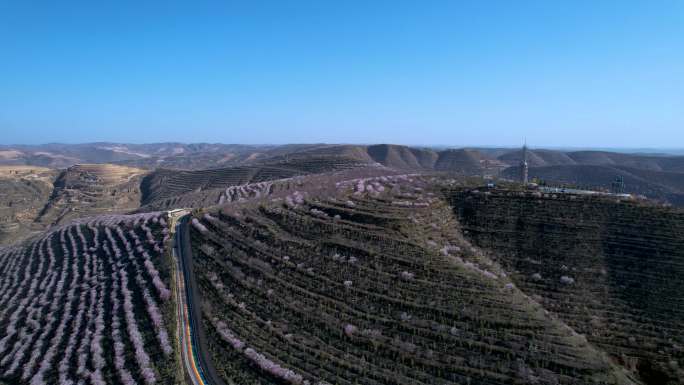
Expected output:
(373, 284)
(89, 303)
(613, 270)
(165, 186)
(317, 184)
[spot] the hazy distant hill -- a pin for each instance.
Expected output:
(402, 156)
(177, 155)
(197, 156)
(540, 157)
(204, 156)
(462, 161)
(466, 161)
(655, 175)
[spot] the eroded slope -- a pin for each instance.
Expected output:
(91, 189)
(24, 190)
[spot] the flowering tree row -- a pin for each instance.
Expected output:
(67, 296)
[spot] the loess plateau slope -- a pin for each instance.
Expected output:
(613, 271)
(373, 284)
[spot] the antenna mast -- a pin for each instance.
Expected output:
(524, 168)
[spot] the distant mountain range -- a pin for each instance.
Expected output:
(659, 176)
(211, 155)
(344, 264)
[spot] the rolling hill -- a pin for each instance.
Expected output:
(344, 273)
(375, 285)
(544, 158)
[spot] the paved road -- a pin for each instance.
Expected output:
(198, 367)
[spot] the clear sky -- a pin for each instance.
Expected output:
(559, 73)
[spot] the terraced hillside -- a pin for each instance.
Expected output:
(468, 162)
(317, 184)
(612, 271)
(233, 193)
(460, 161)
(89, 303)
(90, 189)
(24, 190)
(163, 185)
(372, 284)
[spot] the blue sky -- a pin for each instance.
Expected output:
(559, 73)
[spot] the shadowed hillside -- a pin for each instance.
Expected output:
(467, 162)
(541, 157)
(614, 271)
(645, 162)
(141, 155)
(460, 161)
(191, 156)
(402, 157)
(537, 157)
(660, 185)
(371, 285)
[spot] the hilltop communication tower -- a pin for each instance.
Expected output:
(524, 168)
(618, 185)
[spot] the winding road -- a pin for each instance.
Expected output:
(196, 361)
